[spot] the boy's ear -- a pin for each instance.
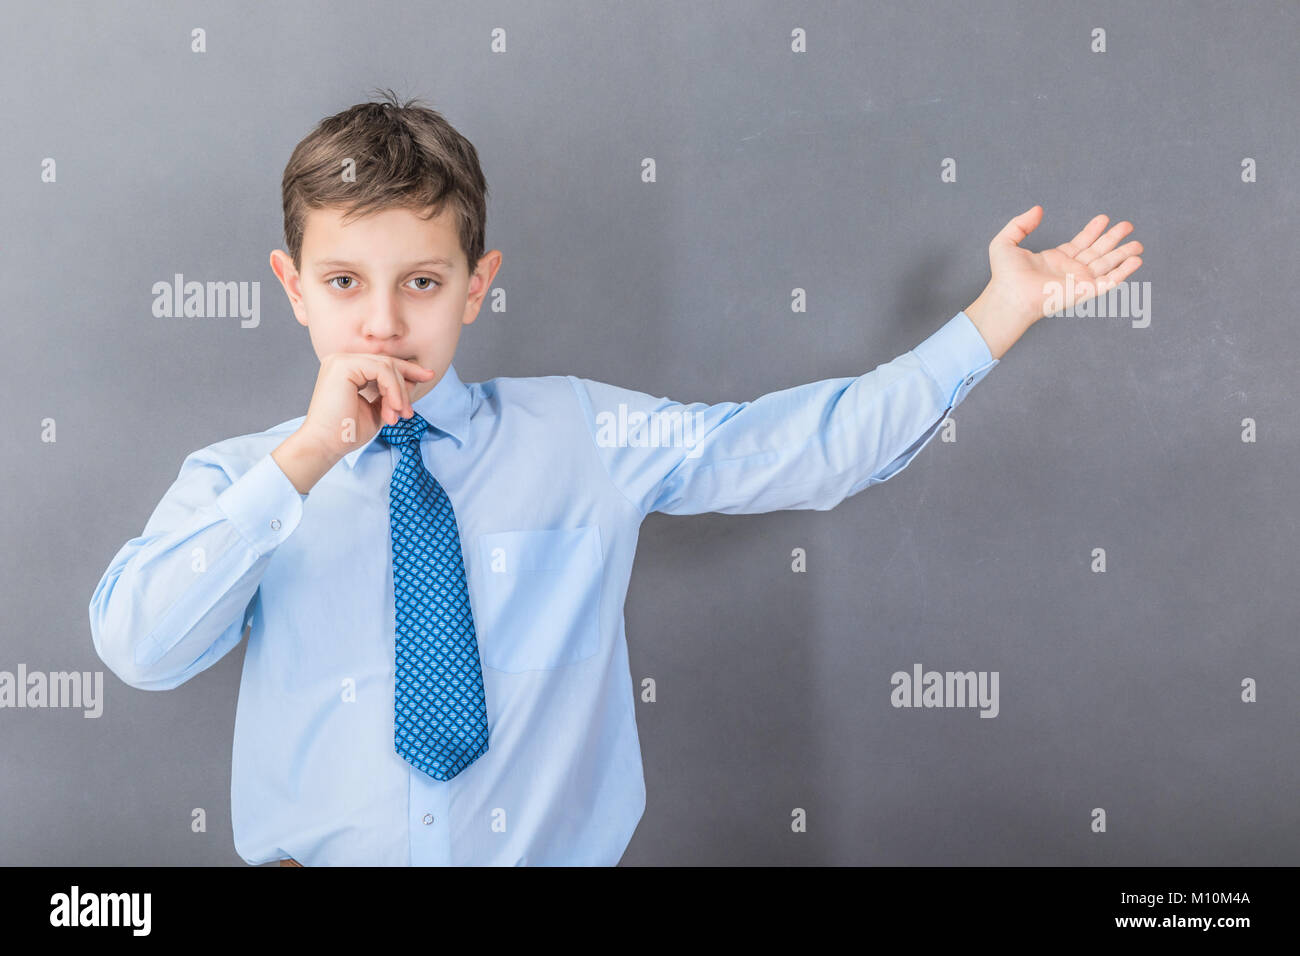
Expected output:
(283, 268)
(483, 275)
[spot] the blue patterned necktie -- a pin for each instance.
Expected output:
(441, 713)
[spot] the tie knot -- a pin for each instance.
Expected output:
(406, 430)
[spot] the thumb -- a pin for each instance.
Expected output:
(1014, 232)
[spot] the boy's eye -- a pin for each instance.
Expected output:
(350, 280)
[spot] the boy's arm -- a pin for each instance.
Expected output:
(176, 599)
(810, 446)
(814, 445)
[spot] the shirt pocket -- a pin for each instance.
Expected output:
(540, 598)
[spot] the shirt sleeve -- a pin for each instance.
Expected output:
(810, 446)
(176, 599)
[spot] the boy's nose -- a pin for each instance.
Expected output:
(384, 318)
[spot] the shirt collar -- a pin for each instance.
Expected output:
(446, 407)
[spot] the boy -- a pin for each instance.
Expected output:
(434, 572)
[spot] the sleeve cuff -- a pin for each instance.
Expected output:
(957, 358)
(263, 505)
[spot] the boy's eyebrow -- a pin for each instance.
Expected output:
(343, 263)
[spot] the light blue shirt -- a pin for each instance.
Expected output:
(550, 478)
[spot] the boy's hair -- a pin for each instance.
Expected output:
(405, 155)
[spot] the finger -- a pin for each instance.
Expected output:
(360, 373)
(1106, 243)
(414, 370)
(391, 384)
(1120, 272)
(381, 370)
(1086, 237)
(404, 388)
(1015, 231)
(1109, 261)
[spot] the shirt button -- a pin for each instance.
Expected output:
(275, 524)
(428, 818)
(969, 379)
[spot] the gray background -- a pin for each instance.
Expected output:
(775, 170)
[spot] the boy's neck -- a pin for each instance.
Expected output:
(424, 388)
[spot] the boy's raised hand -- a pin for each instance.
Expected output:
(344, 414)
(1025, 282)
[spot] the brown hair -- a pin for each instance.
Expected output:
(405, 155)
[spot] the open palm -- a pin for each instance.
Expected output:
(1086, 266)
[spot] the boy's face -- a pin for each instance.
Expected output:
(371, 286)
